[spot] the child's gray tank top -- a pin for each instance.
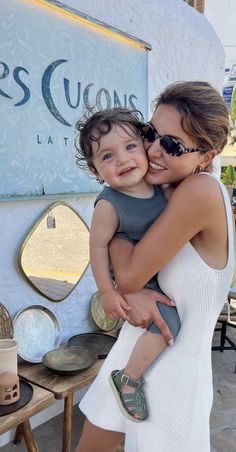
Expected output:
(135, 215)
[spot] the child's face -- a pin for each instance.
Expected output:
(121, 159)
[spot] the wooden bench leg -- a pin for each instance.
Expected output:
(18, 434)
(29, 437)
(67, 423)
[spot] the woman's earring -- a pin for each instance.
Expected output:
(197, 169)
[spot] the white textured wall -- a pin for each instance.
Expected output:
(184, 47)
(221, 15)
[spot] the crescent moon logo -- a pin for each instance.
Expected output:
(46, 92)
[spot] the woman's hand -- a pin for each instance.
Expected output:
(143, 310)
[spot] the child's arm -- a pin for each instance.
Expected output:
(103, 227)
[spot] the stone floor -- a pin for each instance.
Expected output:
(223, 418)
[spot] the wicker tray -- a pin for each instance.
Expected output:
(6, 324)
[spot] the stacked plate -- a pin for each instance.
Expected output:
(37, 330)
(38, 334)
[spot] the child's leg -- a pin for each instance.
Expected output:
(127, 383)
(146, 350)
(150, 345)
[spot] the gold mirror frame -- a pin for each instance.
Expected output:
(46, 280)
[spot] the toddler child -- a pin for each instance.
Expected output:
(111, 147)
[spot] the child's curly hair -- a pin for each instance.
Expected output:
(92, 127)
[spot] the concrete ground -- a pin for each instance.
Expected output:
(223, 417)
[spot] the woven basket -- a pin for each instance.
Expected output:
(6, 325)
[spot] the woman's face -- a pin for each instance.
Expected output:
(164, 168)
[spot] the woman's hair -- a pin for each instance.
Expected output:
(204, 114)
(92, 127)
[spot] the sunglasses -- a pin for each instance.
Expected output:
(169, 144)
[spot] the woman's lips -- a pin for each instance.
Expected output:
(157, 166)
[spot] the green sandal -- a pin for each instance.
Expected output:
(130, 403)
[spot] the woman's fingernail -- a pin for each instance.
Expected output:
(173, 303)
(171, 342)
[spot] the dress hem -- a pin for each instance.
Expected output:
(97, 424)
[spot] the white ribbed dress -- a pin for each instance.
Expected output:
(179, 384)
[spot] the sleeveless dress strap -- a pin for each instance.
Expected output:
(229, 217)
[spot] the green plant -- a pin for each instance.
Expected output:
(228, 176)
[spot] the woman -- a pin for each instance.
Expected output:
(191, 246)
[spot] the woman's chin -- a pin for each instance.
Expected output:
(156, 178)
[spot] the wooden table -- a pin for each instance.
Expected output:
(41, 399)
(62, 387)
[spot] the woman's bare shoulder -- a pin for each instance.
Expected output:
(198, 187)
(204, 179)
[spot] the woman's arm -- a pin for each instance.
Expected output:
(189, 211)
(103, 226)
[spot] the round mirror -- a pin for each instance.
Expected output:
(55, 253)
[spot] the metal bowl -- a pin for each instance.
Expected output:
(98, 343)
(69, 360)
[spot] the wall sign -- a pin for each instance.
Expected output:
(55, 63)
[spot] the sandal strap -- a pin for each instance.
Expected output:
(135, 403)
(126, 380)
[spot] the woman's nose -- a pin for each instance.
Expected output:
(154, 149)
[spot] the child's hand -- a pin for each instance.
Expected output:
(115, 306)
